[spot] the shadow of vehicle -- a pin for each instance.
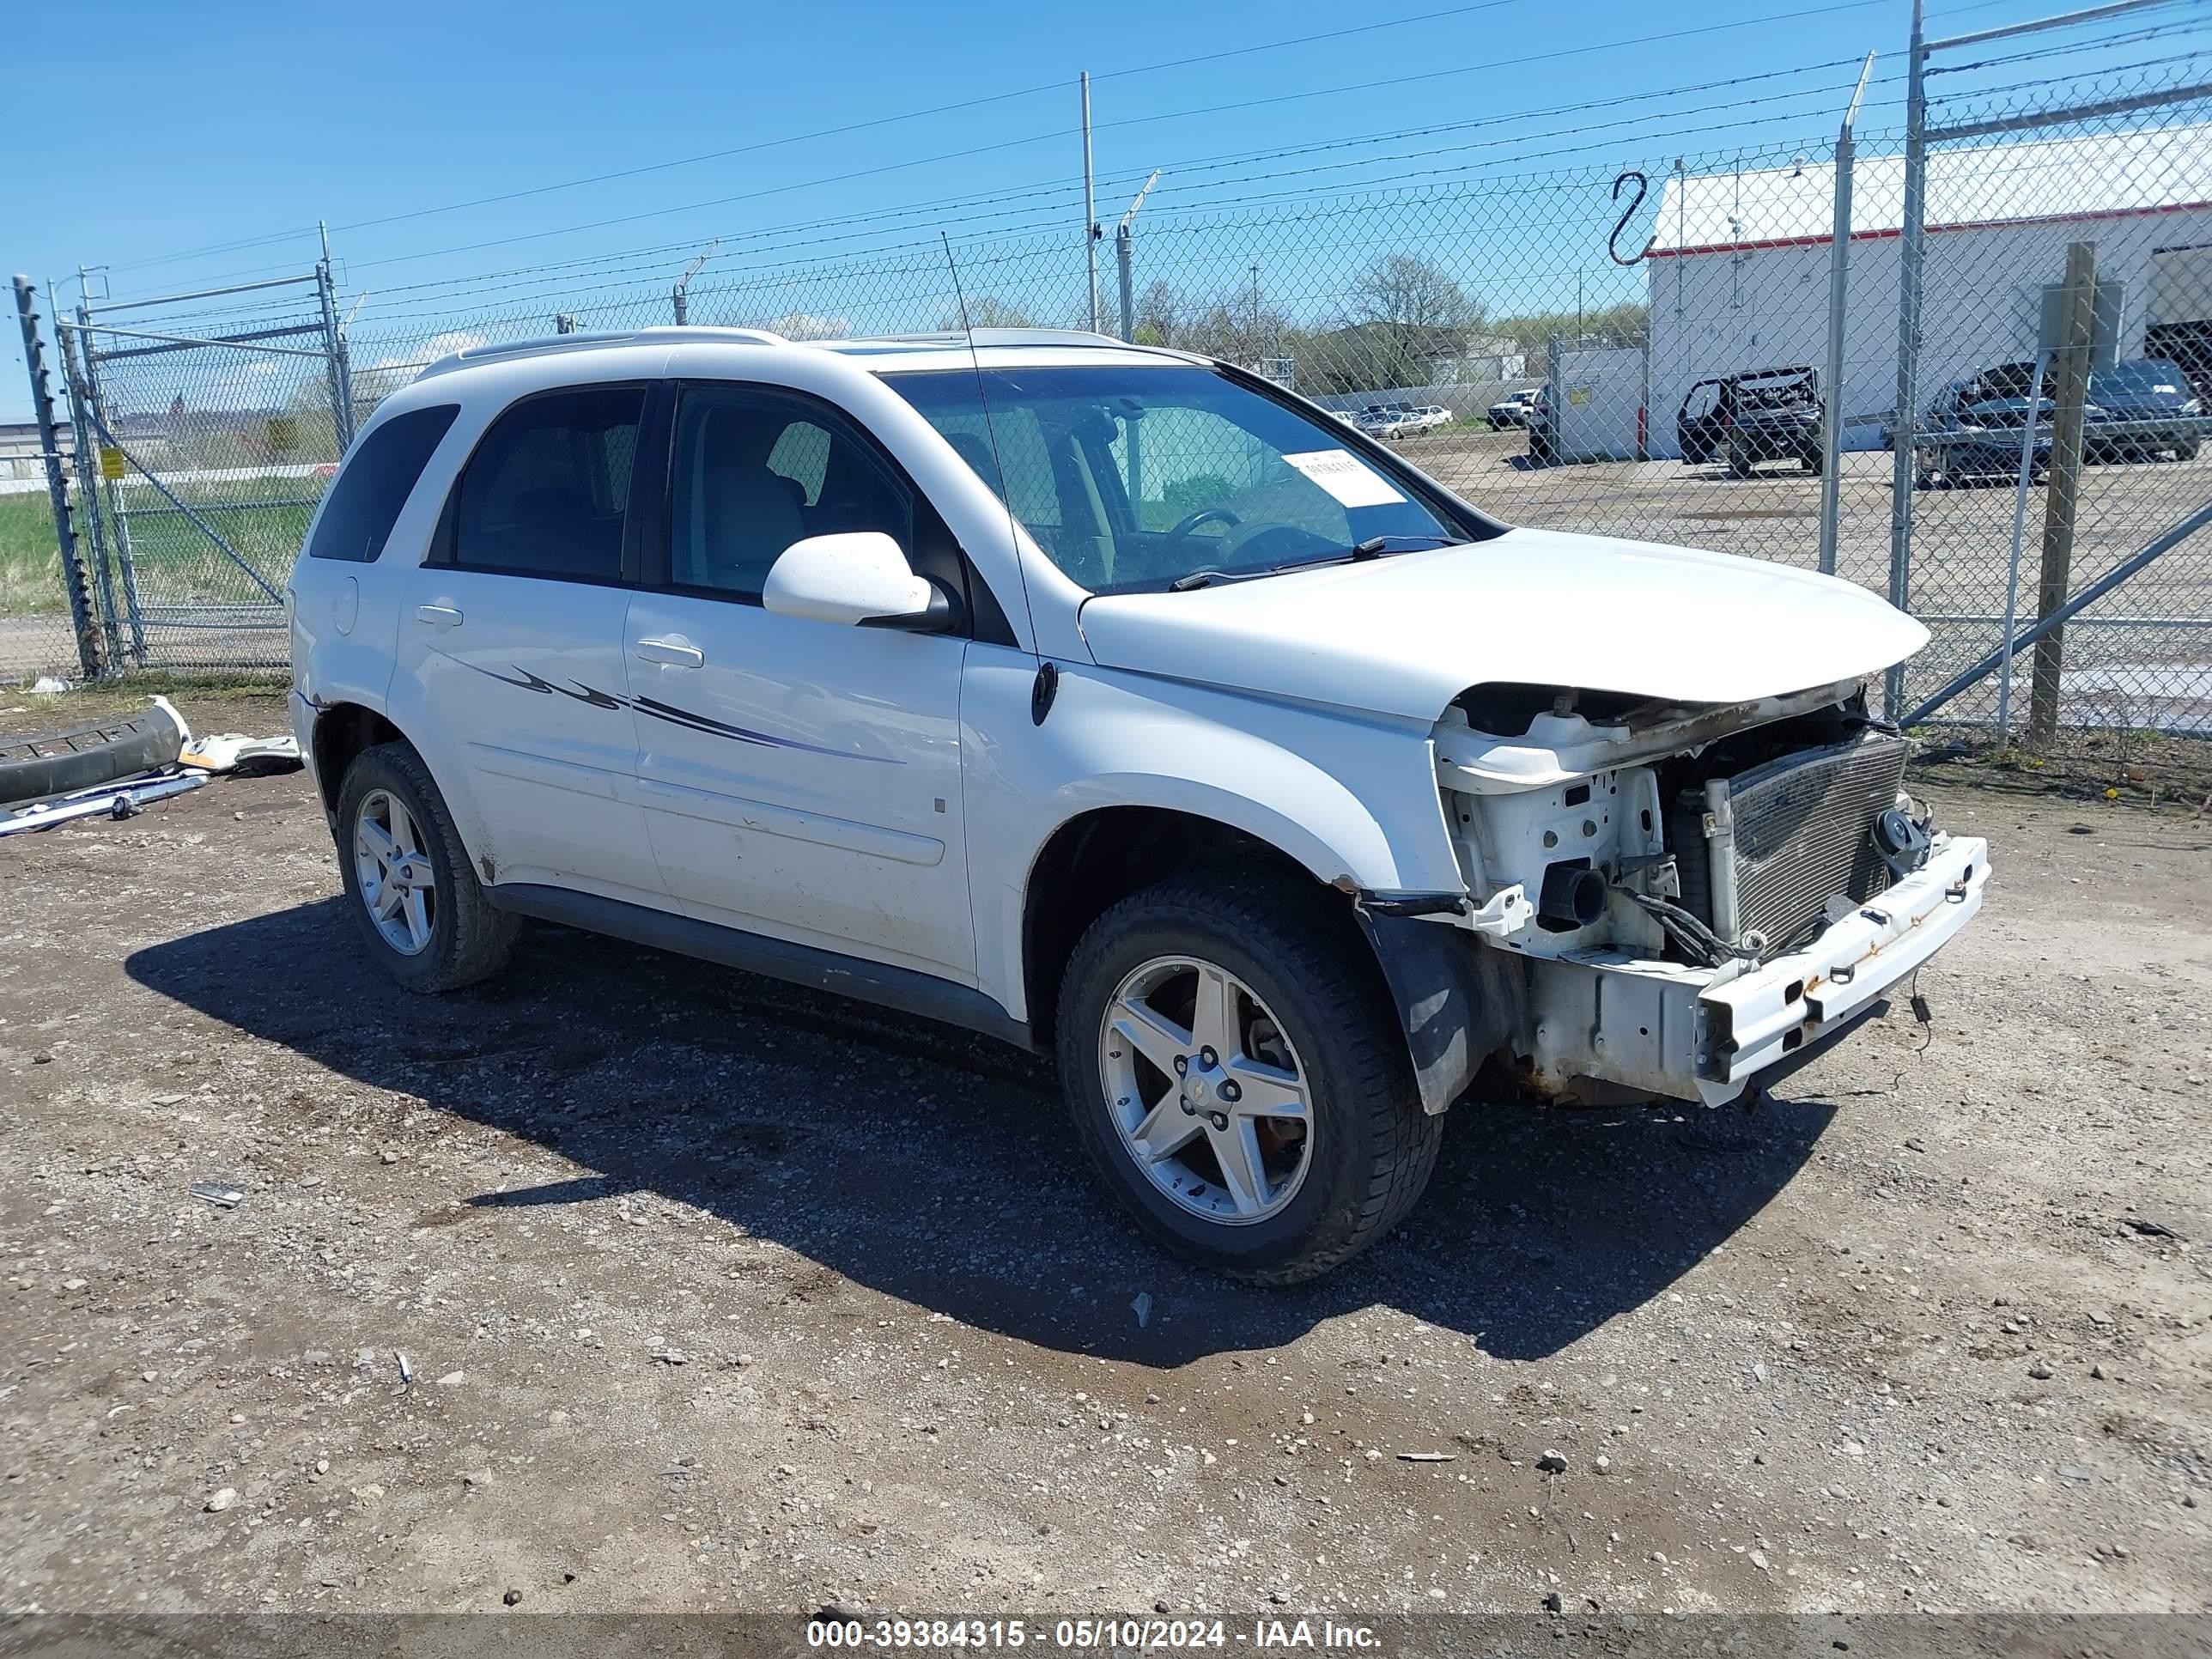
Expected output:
(934, 1166)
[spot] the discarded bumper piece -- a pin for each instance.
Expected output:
(85, 756)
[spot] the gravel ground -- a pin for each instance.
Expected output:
(625, 1284)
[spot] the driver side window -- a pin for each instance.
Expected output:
(756, 469)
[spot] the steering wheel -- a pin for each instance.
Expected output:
(1205, 515)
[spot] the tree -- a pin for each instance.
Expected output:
(1159, 314)
(1622, 325)
(1413, 311)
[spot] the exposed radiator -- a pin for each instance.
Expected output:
(1782, 839)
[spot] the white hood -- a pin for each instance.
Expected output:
(1407, 633)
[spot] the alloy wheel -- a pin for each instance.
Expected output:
(1207, 1092)
(398, 885)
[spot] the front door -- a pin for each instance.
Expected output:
(1699, 422)
(513, 631)
(799, 779)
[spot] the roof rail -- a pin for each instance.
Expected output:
(1004, 337)
(544, 345)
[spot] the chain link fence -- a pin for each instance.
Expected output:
(1674, 345)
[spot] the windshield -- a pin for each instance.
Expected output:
(2146, 379)
(1135, 476)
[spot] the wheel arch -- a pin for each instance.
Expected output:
(341, 732)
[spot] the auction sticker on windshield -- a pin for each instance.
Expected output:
(1346, 477)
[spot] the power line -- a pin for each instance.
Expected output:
(1180, 169)
(539, 276)
(790, 275)
(1125, 121)
(826, 132)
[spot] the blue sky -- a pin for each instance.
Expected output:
(228, 125)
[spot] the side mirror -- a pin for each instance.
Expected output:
(859, 578)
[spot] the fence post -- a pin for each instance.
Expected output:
(86, 458)
(2070, 383)
(1840, 274)
(334, 350)
(1906, 422)
(42, 410)
(1121, 254)
(126, 564)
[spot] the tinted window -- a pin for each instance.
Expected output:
(545, 492)
(375, 483)
(756, 470)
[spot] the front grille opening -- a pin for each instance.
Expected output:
(1798, 834)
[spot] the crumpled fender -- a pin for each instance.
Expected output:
(1458, 1000)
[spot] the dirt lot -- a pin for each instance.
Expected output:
(713, 1294)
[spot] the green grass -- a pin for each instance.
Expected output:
(30, 564)
(174, 561)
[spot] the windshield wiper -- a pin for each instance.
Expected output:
(1373, 548)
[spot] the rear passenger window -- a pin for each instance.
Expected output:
(375, 483)
(545, 492)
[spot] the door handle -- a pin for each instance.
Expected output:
(437, 616)
(674, 653)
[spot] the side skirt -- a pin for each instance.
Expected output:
(901, 989)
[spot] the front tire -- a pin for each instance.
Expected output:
(1238, 1081)
(412, 895)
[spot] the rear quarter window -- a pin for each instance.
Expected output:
(374, 485)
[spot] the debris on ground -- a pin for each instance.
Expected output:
(221, 1194)
(234, 751)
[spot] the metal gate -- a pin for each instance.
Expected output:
(2083, 315)
(206, 427)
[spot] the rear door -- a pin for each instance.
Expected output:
(799, 779)
(514, 630)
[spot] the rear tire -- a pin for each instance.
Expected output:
(1294, 1004)
(414, 899)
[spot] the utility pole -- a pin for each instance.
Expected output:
(1090, 207)
(2069, 376)
(1255, 311)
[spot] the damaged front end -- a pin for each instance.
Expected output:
(1693, 893)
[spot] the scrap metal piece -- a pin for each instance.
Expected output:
(114, 800)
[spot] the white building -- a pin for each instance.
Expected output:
(1739, 271)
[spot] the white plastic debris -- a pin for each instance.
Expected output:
(234, 751)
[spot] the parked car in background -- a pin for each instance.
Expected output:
(1276, 800)
(2141, 409)
(2136, 410)
(1428, 417)
(1747, 420)
(1969, 432)
(1385, 421)
(1512, 410)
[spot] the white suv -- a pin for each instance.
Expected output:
(1111, 701)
